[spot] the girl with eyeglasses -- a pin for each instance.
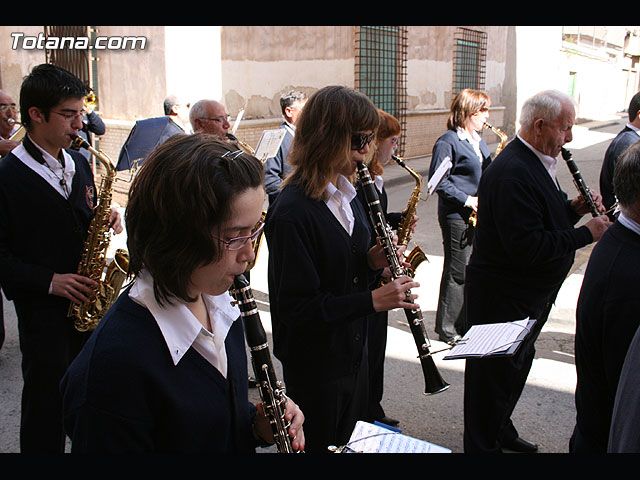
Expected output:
(166, 369)
(323, 265)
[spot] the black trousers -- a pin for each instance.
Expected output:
(2, 333)
(331, 407)
(492, 386)
(49, 343)
(377, 346)
(457, 250)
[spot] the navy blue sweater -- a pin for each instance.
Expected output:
(606, 321)
(319, 283)
(616, 148)
(123, 392)
(41, 232)
(464, 176)
(525, 241)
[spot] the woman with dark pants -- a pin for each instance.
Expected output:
(457, 199)
(322, 265)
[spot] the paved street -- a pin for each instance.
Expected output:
(545, 413)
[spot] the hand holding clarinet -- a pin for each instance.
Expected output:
(587, 201)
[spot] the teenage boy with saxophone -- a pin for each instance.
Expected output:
(47, 195)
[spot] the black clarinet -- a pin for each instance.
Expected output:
(271, 390)
(579, 182)
(433, 381)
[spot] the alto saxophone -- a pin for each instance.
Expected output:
(503, 136)
(473, 217)
(86, 316)
(416, 256)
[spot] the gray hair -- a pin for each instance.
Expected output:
(289, 98)
(199, 110)
(546, 105)
(626, 177)
(168, 104)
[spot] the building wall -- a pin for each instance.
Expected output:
(249, 67)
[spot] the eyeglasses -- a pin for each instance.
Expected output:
(359, 140)
(71, 116)
(220, 119)
(5, 106)
(238, 242)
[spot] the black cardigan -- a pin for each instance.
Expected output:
(41, 232)
(525, 241)
(123, 392)
(607, 317)
(318, 286)
(464, 176)
(616, 148)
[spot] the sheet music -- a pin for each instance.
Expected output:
(269, 143)
(236, 124)
(439, 175)
(369, 438)
(491, 339)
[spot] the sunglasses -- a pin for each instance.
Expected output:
(359, 140)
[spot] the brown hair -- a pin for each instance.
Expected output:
(323, 135)
(389, 126)
(466, 103)
(179, 199)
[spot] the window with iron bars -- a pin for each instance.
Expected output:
(381, 69)
(77, 61)
(469, 59)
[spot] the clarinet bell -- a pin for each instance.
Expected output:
(434, 383)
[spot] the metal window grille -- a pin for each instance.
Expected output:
(381, 69)
(77, 60)
(470, 59)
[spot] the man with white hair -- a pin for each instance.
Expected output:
(524, 246)
(209, 116)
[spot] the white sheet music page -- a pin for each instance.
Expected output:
(369, 438)
(491, 339)
(438, 175)
(269, 143)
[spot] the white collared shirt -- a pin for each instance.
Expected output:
(53, 171)
(473, 139)
(379, 182)
(629, 223)
(291, 127)
(180, 328)
(338, 199)
(634, 128)
(550, 164)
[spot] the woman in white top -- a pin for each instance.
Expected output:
(457, 199)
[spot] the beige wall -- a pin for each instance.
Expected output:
(251, 66)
